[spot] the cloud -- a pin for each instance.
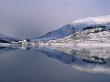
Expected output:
(27, 18)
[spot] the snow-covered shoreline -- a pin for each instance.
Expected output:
(4, 44)
(83, 45)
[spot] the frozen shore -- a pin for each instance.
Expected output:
(81, 44)
(4, 44)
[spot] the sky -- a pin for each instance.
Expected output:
(31, 18)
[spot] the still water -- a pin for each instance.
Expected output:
(54, 65)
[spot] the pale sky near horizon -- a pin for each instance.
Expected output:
(29, 18)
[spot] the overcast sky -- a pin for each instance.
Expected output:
(29, 18)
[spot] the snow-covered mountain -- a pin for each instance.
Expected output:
(92, 22)
(91, 35)
(76, 26)
(96, 37)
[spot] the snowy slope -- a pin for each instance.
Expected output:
(76, 26)
(97, 35)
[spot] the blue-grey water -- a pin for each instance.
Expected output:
(52, 65)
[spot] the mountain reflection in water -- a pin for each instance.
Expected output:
(94, 60)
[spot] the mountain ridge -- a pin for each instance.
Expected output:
(76, 26)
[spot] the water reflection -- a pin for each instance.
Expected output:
(94, 60)
(4, 50)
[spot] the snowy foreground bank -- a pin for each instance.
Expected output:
(4, 44)
(71, 45)
(74, 45)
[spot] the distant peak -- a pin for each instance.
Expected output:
(94, 20)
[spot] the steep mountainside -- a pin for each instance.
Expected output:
(59, 33)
